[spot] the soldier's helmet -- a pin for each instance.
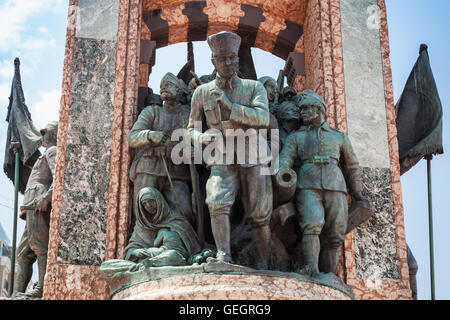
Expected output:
(52, 126)
(266, 79)
(224, 42)
(288, 93)
(310, 98)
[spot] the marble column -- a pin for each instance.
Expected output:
(378, 246)
(97, 99)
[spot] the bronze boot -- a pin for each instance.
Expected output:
(263, 237)
(24, 273)
(39, 288)
(329, 259)
(310, 250)
(221, 229)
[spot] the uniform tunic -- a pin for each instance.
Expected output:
(147, 170)
(250, 110)
(34, 241)
(321, 186)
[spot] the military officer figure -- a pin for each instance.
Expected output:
(321, 188)
(229, 102)
(36, 211)
(150, 135)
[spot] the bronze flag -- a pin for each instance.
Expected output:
(21, 132)
(419, 115)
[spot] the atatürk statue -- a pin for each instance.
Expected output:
(150, 134)
(232, 103)
(36, 211)
(321, 188)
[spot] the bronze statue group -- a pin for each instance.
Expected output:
(246, 220)
(244, 226)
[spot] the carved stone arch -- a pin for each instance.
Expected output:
(277, 28)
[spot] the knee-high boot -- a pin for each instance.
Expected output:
(42, 267)
(310, 251)
(262, 238)
(24, 273)
(221, 229)
(329, 259)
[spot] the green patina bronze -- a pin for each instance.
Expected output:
(36, 211)
(229, 102)
(321, 187)
(150, 135)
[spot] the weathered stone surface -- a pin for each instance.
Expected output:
(92, 92)
(86, 176)
(366, 113)
(375, 242)
(97, 19)
(220, 281)
(360, 30)
(84, 205)
(364, 86)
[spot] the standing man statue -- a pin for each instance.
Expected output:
(36, 211)
(321, 188)
(151, 134)
(229, 103)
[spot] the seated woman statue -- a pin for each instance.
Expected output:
(161, 236)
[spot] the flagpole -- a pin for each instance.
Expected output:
(430, 224)
(16, 196)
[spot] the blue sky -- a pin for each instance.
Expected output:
(35, 32)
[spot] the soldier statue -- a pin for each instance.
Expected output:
(321, 188)
(150, 134)
(271, 86)
(36, 211)
(288, 116)
(229, 103)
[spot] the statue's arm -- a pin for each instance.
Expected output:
(196, 117)
(141, 133)
(256, 115)
(352, 168)
(289, 152)
(51, 161)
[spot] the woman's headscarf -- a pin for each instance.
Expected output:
(147, 225)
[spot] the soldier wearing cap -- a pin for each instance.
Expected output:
(227, 103)
(150, 135)
(36, 211)
(321, 188)
(271, 86)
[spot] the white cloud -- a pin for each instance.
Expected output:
(46, 109)
(14, 17)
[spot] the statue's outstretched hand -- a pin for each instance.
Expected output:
(139, 254)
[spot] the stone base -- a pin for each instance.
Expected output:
(229, 287)
(221, 281)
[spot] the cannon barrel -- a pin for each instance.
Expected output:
(284, 183)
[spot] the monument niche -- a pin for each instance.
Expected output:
(163, 243)
(94, 211)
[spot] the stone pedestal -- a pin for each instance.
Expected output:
(218, 281)
(346, 52)
(229, 287)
